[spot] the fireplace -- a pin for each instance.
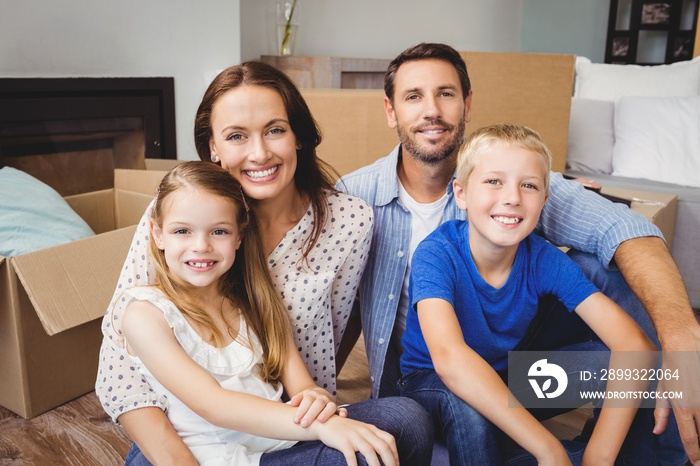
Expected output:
(72, 133)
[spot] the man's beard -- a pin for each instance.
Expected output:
(428, 153)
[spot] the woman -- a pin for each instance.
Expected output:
(254, 122)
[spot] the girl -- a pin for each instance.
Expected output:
(212, 335)
(254, 122)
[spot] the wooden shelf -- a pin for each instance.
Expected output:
(637, 26)
(332, 72)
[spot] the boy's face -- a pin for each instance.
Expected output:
(504, 195)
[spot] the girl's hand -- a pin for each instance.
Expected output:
(349, 436)
(314, 404)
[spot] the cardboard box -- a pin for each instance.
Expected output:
(532, 89)
(659, 208)
(52, 301)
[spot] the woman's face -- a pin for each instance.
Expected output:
(252, 138)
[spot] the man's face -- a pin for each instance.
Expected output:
(428, 110)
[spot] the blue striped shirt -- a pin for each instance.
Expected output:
(572, 217)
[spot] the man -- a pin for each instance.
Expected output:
(428, 101)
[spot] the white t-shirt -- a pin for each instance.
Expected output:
(425, 218)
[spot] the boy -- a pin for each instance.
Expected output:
(474, 288)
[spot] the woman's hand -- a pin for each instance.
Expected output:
(349, 436)
(314, 404)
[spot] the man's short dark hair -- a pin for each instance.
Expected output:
(425, 51)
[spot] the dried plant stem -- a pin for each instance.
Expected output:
(288, 29)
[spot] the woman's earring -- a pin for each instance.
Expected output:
(214, 158)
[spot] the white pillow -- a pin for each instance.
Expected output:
(658, 138)
(604, 81)
(591, 137)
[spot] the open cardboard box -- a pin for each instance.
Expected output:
(52, 301)
(659, 208)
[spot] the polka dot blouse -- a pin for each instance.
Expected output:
(318, 293)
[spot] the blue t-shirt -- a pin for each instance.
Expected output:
(493, 320)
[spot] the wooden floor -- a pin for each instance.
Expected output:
(79, 433)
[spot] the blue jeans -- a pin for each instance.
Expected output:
(403, 418)
(472, 439)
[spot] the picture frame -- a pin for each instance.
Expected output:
(620, 47)
(682, 46)
(656, 14)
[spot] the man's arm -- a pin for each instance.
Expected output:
(652, 274)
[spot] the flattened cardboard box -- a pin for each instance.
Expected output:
(52, 301)
(532, 89)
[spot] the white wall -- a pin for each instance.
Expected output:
(185, 39)
(566, 26)
(383, 28)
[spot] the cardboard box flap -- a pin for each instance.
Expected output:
(131, 207)
(72, 284)
(138, 181)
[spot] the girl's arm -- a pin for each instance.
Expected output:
(155, 436)
(473, 380)
(619, 333)
(312, 402)
(151, 339)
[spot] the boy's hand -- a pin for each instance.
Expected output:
(314, 404)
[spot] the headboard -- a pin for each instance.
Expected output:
(522, 88)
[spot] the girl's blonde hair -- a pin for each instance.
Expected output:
(482, 140)
(247, 284)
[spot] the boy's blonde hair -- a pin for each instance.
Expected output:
(482, 139)
(247, 284)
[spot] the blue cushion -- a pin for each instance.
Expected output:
(33, 216)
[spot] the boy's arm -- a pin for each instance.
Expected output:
(469, 377)
(621, 334)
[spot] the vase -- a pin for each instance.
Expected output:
(287, 26)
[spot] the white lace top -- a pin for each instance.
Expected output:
(234, 367)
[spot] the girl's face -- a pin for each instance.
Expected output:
(504, 196)
(252, 138)
(199, 235)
